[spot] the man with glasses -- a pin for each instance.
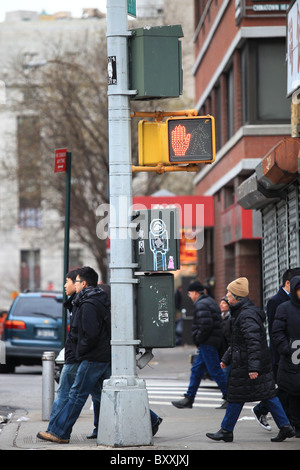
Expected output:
(92, 352)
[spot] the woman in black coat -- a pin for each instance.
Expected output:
(251, 376)
(286, 336)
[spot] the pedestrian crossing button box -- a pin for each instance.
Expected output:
(155, 311)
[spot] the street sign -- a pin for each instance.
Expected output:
(60, 164)
(131, 8)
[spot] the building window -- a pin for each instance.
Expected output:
(29, 172)
(230, 103)
(264, 82)
(30, 276)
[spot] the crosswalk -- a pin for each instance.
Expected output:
(162, 393)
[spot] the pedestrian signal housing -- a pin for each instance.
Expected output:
(191, 139)
(177, 141)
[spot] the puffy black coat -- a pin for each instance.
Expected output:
(248, 352)
(71, 339)
(93, 325)
(286, 336)
(206, 326)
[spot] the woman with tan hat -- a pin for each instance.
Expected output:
(251, 375)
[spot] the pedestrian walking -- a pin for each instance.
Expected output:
(286, 337)
(207, 336)
(282, 295)
(251, 375)
(69, 370)
(92, 352)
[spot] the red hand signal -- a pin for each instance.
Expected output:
(180, 140)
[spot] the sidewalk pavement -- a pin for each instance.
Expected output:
(181, 431)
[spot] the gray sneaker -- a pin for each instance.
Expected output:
(262, 420)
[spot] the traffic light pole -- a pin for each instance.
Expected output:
(124, 414)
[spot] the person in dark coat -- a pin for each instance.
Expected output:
(286, 336)
(251, 375)
(282, 295)
(207, 336)
(93, 352)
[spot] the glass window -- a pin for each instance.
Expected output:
(264, 82)
(271, 78)
(38, 306)
(230, 101)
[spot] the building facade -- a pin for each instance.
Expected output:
(240, 79)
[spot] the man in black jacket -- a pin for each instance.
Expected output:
(282, 295)
(207, 335)
(251, 375)
(93, 353)
(286, 336)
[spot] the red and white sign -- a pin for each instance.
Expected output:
(60, 164)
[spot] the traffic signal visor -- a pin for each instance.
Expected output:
(191, 139)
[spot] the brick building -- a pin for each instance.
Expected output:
(240, 78)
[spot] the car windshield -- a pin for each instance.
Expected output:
(34, 306)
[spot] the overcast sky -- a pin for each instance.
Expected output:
(51, 6)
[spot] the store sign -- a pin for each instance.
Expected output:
(293, 48)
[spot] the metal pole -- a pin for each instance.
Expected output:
(48, 359)
(67, 243)
(124, 400)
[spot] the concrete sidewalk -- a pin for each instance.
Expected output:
(181, 431)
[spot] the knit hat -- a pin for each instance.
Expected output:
(196, 286)
(239, 287)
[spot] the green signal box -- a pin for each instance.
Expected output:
(156, 241)
(155, 62)
(155, 311)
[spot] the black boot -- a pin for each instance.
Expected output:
(221, 435)
(186, 402)
(284, 432)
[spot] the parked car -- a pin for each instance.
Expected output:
(33, 326)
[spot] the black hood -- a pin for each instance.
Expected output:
(295, 284)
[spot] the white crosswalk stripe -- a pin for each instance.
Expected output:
(164, 394)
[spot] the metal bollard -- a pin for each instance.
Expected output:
(48, 359)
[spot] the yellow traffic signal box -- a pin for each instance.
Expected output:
(178, 141)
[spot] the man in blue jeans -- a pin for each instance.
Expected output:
(70, 366)
(93, 353)
(251, 375)
(207, 335)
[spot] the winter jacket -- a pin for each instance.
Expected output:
(280, 297)
(206, 326)
(248, 352)
(93, 325)
(286, 336)
(71, 339)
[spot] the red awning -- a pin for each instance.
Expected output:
(194, 211)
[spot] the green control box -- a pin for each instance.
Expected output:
(155, 62)
(155, 311)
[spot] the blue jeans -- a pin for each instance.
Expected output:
(273, 405)
(66, 381)
(88, 379)
(206, 360)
